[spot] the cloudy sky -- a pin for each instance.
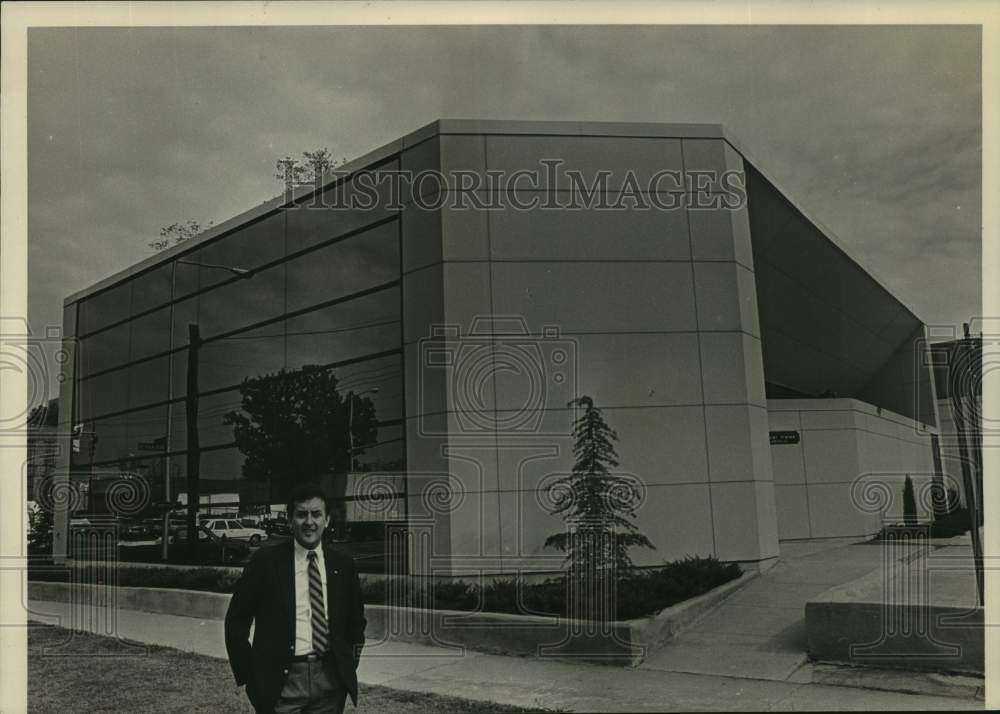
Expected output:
(875, 132)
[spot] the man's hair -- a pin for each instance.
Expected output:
(305, 492)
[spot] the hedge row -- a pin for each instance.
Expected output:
(637, 594)
(640, 593)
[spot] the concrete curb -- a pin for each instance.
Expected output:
(933, 684)
(164, 601)
(650, 633)
(624, 643)
(853, 624)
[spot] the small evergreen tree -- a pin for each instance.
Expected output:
(596, 504)
(909, 503)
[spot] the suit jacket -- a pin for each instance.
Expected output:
(265, 595)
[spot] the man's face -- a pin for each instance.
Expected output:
(309, 520)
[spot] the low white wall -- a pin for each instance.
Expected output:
(816, 481)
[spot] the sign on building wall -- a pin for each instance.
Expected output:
(784, 437)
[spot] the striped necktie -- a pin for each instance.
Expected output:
(318, 607)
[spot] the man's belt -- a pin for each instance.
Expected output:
(311, 657)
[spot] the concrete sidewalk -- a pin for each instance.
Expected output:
(759, 632)
(525, 681)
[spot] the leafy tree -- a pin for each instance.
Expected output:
(596, 504)
(293, 426)
(310, 169)
(909, 503)
(177, 233)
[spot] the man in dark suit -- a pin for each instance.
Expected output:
(304, 600)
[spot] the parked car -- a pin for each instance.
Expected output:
(277, 527)
(139, 531)
(232, 529)
(211, 548)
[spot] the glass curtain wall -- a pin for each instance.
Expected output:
(298, 366)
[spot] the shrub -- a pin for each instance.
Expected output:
(639, 593)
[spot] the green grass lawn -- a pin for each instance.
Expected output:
(78, 672)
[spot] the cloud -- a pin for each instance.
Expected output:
(875, 131)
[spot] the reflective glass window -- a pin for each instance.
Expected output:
(378, 380)
(178, 373)
(243, 302)
(342, 331)
(385, 452)
(184, 313)
(147, 432)
(314, 222)
(104, 350)
(83, 407)
(69, 320)
(80, 461)
(177, 466)
(186, 277)
(219, 469)
(151, 469)
(150, 333)
(147, 382)
(177, 412)
(227, 361)
(248, 247)
(348, 266)
(212, 411)
(83, 445)
(104, 394)
(151, 289)
(109, 441)
(212, 429)
(106, 307)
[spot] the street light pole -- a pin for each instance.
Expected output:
(240, 272)
(165, 533)
(193, 445)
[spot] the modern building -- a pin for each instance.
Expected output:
(764, 386)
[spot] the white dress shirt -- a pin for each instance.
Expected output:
(303, 607)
